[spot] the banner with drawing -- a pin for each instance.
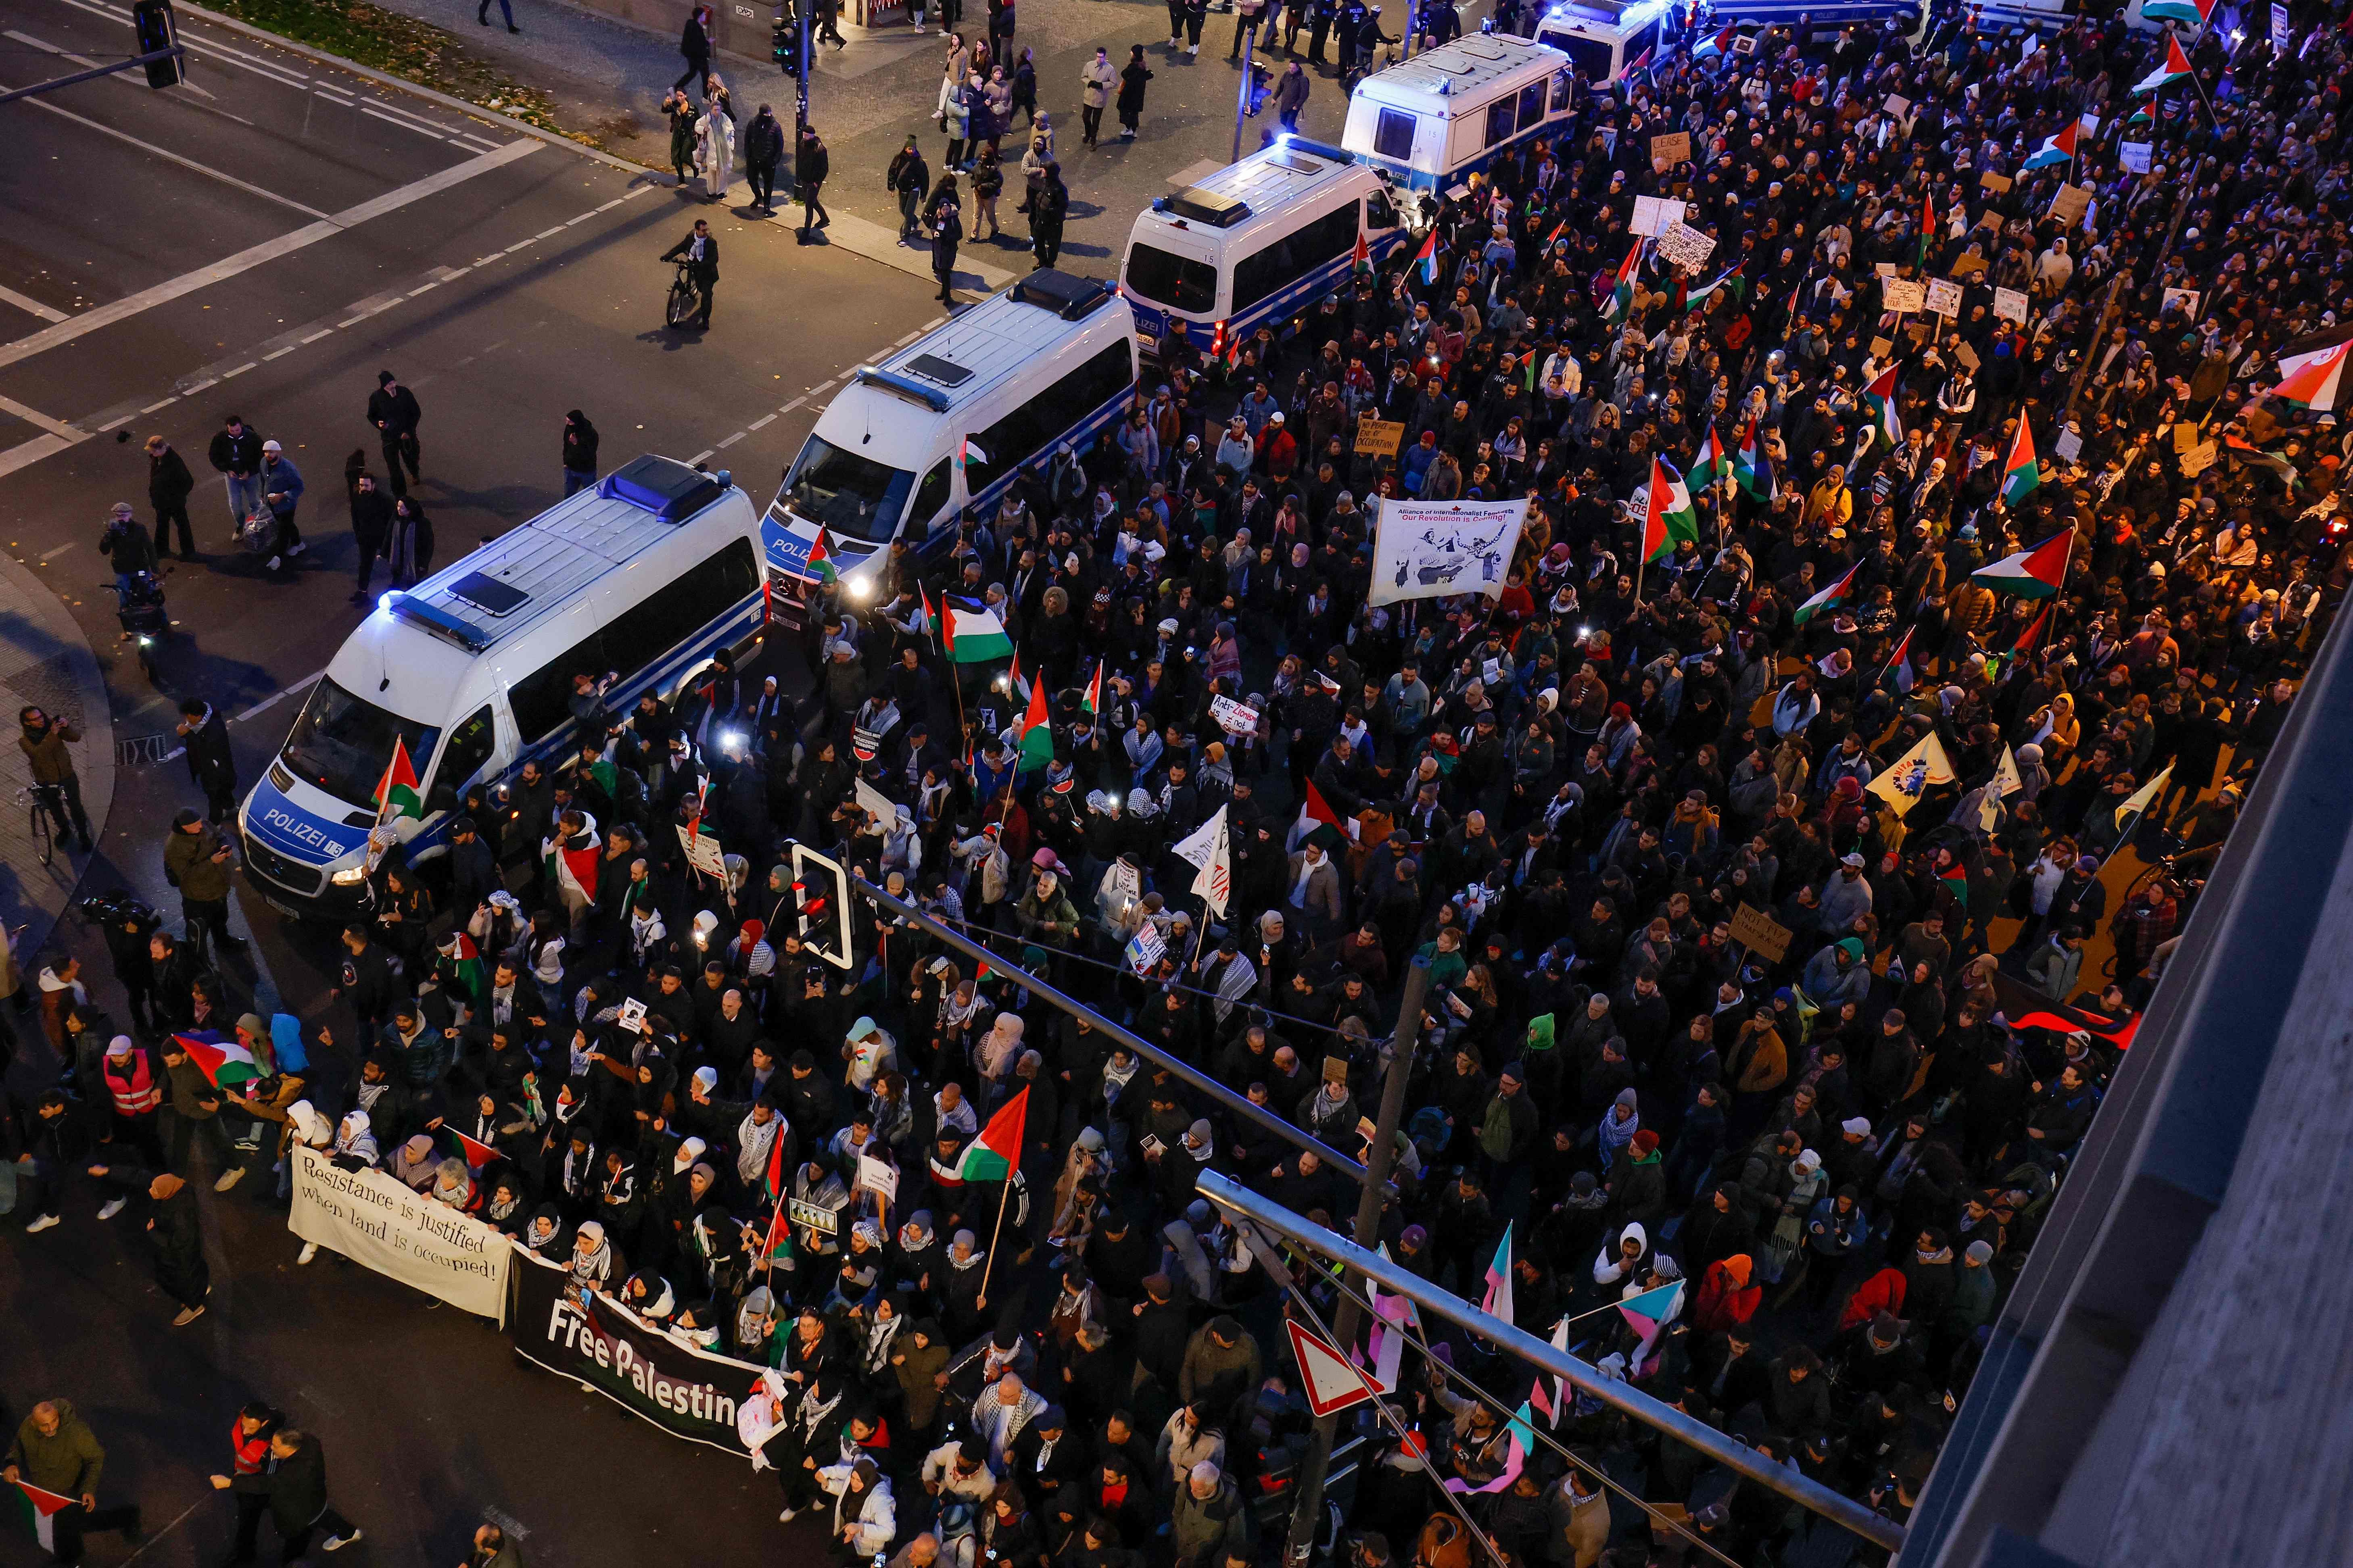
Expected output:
(1428, 549)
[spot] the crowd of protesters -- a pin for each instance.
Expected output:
(1560, 798)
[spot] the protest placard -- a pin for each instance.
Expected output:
(1760, 933)
(2069, 204)
(1902, 295)
(1145, 948)
(1967, 355)
(1653, 214)
(702, 851)
(2186, 298)
(1672, 147)
(1944, 297)
(2198, 459)
(1992, 181)
(2010, 305)
(1234, 718)
(878, 1176)
(1378, 438)
(1686, 247)
(1881, 347)
(2134, 155)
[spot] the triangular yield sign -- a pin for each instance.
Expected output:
(1330, 1383)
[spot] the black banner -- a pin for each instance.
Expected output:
(686, 1392)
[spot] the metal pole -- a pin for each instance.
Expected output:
(1240, 1104)
(1622, 1397)
(1369, 1203)
(1242, 103)
(136, 62)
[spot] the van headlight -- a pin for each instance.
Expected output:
(860, 589)
(350, 875)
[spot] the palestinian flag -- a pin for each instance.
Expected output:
(1753, 469)
(2271, 461)
(1719, 44)
(1426, 259)
(2035, 574)
(779, 1240)
(996, 1154)
(1711, 468)
(473, 1151)
(1554, 238)
(1881, 397)
(975, 635)
(1361, 259)
(2025, 1008)
(2141, 120)
(1671, 517)
(931, 620)
(1094, 698)
(2314, 378)
(2022, 474)
(1899, 663)
(225, 1062)
(39, 1509)
(1621, 292)
(969, 453)
(1927, 225)
(775, 1176)
(1828, 598)
(2059, 149)
(1317, 812)
(2032, 635)
(1955, 879)
(818, 568)
(2176, 67)
(464, 961)
(2190, 13)
(398, 793)
(1037, 743)
(1733, 281)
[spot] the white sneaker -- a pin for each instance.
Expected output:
(230, 1178)
(114, 1208)
(44, 1223)
(300, 546)
(337, 1542)
(789, 1515)
(276, 562)
(310, 1251)
(1194, 50)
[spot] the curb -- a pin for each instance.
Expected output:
(858, 237)
(94, 752)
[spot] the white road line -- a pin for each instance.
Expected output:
(699, 456)
(277, 696)
(208, 381)
(31, 306)
(267, 250)
(423, 288)
(167, 1529)
(339, 99)
(584, 217)
(322, 333)
(239, 370)
(763, 420)
(113, 423)
(910, 338)
(164, 404)
(543, 233)
(519, 245)
(54, 427)
(796, 403)
(39, 447)
(279, 354)
(608, 206)
(171, 157)
(371, 110)
(53, 555)
(822, 388)
(729, 442)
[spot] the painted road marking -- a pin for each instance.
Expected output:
(30, 306)
(42, 421)
(277, 696)
(171, 157)
(763, 420)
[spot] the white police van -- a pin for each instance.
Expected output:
(1441, 117)
(1257, 242)
(649, 575)
(948, 422)
(1602, 38)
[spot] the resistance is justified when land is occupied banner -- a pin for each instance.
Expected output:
(376, 1222)
(595, 1340)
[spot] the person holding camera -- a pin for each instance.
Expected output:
(44, 740)
(196, 861)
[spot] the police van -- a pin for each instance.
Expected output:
(648, 575)
(1257, 242)
(1602, 38)
(1441, 117)
(948, 422)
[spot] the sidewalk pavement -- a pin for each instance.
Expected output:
(45, 661)
(608, 79)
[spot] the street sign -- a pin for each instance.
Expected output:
(1330, 1383)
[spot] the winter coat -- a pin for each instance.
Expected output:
(1096, 81)
(189, 866)
(67, 1461)
(295, 1487)
(1205, 1533)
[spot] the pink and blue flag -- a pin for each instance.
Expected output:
(1648, 1314)
(1499, 1280)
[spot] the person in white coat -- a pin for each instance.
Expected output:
(714, 147)
(865, 1515)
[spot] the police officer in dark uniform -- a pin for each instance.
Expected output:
(1352, 24)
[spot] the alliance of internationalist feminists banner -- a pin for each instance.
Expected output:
(1428, 549)
(686, 1392)
(375, 1221)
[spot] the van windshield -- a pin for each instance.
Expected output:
(1589, 54)
(343, 745)
(848, 494)
(1180, 282)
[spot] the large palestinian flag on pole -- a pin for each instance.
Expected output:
(1671, 517)
(1880, 396)
(2035, 574)
(1753, 466)
(226, 1062)
(1830, 597)
(974, 635)
(996, 1154)
(2022, 473)
(2176, 67)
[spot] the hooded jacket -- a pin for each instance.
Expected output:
(67, 1461)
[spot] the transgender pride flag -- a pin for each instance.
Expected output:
(1499, 1280)
(1648, 1315)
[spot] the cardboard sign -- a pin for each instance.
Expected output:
(2010, 305)
(878, 1176)
(1234, 718)
(1969, 266)
(1672, 147)
(1379, 437)
(1124, 879)
(1745, 44)
(703, 852)
(2069, 204)
(1967, 355)
(1885, 268)
(2198, 459)
(1899, 105)
(1335, 1069)
(1944, 297)
(1145, 948)
(2185, 436)
(815, 1216)
(1881, 347)
(1653, 214)
(1760, 933)
(883, 808)
(1903, 296)
(1991, 181)
(2186, 298)
(2134, 155)
(1686, 247)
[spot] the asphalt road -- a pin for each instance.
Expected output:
(267, 246)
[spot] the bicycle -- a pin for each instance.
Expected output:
(684, 302)
(48, 813)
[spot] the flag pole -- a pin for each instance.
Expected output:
(989, 1263)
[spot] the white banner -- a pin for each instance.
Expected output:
(2134, 155)
(1944, 297)
(2009, 304)
(1427, 549)
(1652, 215)
(379, 1223)
(1234, 718)
(1686, 247)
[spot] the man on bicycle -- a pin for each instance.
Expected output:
(44, 740)
(700, 251)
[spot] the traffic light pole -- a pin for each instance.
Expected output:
(1305, 1514)
(1237, 1199)
(136, 62)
